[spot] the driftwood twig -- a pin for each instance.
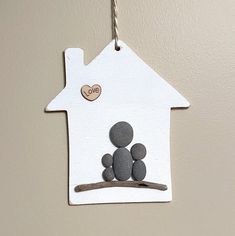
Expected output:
(132, 184)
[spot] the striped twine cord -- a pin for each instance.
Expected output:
(115, 24)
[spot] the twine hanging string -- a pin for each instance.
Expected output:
(115, 24)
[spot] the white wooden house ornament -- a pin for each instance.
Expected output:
(122, 88)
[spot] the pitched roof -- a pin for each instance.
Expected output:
(121, 70)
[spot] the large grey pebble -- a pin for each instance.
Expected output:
(108, 174)
(122, 164)
(107, 160)
(139, 170)
(138, 151)
(121, 134)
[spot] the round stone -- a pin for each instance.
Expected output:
(139, 170)
(122, 164)
(138, 151)
(108, 174)
(107, 160)
(121, 134)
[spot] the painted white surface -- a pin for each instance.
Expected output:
(132, 92)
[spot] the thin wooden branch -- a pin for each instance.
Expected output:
(132, 184)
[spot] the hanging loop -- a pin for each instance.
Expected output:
(115, 24)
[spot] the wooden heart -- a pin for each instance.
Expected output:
(91, 93)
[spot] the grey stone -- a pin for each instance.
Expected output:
(122, 164)
(108, 174)
(139, 170)
(138, 151)
(121, 134)
(107, 160)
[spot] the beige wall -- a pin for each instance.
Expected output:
(190, 43)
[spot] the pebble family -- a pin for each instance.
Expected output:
(124, 163)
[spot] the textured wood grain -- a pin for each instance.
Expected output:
(128, 184)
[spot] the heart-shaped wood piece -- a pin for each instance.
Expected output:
(91, 93)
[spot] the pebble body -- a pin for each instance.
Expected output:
(138, 170)
(107, 160)
(138, 151)
(121, 134)
(108, 174)
(122, 164)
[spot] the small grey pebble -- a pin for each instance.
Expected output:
(121, 134)
(139, 170)
(107, 160)
(108, 174)
(122, 164)
(138, 151)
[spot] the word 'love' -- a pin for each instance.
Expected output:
(91, 93)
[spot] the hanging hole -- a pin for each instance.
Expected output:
(117, 48)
